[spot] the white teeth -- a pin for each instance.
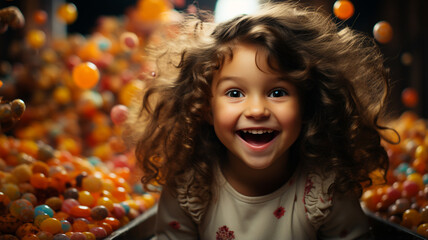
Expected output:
(257, 131)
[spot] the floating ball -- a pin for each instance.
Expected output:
(128, 91)
(86, 75)
(119, 114)
(67, 12)
(382, 32)
(343, 9)
(409, 97)
(36, 38)
(17, 107)
(40, 17)
(129, 40)
(62, 95)
(151, 10)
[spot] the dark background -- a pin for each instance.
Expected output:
(408, 18)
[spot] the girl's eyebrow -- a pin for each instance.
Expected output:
(226, 78)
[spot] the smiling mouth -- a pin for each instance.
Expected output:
(257, 136)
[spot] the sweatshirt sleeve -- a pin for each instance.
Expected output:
(171, 220)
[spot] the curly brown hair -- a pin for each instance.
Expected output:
(340, 75)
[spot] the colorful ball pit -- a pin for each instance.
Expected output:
(403, 199)
(86, 199)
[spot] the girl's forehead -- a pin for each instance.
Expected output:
(263, 59)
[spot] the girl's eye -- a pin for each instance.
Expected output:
(234, 93)
(278, 93)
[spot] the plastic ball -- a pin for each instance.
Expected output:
(80, 225)
(423, 230)
(343, 9)
(119, 114)
(71, 193)
(89, 235)
(30, 197)
(151, 10)
(65, 226)
(99, 212)
(43, 209)
(128, 91)
(51, 225)
(107, 202)
(62, 95)
(411, 218)
(99, 232)
(67, 12)
(22, 209)
(92, 184)
(36, 38)
(382, 32)
(86, 75)
(17, 107)
(40, 17)
(39, 219)
(410, 97)
(22, 173)
(54, 202)
(118, 211)
(129, 40)
(39, 180)
(86, 198)
(68, 204)
(11, 190)
(80, 211)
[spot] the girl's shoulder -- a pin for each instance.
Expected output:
(317, 198)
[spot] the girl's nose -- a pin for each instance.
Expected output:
(257, 109)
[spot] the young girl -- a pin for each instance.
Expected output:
(265, 128)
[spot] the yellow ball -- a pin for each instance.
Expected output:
(128, 92)
(62, 95)
(36, 38)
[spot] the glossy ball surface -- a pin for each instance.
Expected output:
(382, 32)
(343, 9)
(86, 75)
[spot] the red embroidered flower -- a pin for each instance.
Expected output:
(174, 224)
(279, 212)
(224, 233)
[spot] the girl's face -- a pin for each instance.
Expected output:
(256, 113)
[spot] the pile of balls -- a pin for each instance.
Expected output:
(403, 200)
(51, 194)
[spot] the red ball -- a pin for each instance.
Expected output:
(410, 188)
(410, 97)
(119, 114)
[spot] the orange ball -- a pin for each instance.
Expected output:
(410, 97)
(343, 9)
(382, 32)
(67, 12)
(51, 225)
(86, 75)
